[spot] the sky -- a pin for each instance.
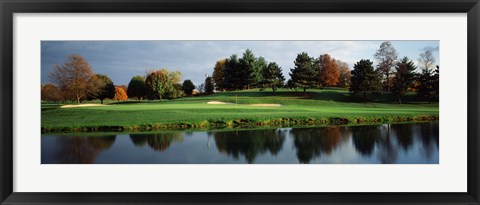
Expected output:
(121, 60)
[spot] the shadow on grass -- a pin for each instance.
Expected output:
(47, 106)
(325, 94)
(388, 98)
(338, 95)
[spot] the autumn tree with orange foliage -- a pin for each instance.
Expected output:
(50, 92)
(218, 75)
(73, 78)
(344, 74)
(328, 70)
(120, 94)
(124, 87)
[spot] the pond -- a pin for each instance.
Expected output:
(416, 143)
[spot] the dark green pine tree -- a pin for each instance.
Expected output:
(425, 84)
(250, 68)
(426, 79)
(436, 83)
(233, 74)
(272, 76)
(261, 66)
(365, 78)
(403, 78)
(209, 86)
(304, 74)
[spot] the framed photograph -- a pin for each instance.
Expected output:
(252, 102)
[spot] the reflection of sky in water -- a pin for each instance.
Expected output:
(405, 143)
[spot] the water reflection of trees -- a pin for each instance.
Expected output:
(403, 134)
(249, 143)
(81, 150)
(403, 137)
(430, 139)
(139, 140)
(364, 138)
(387, 149)
(384, 143)
(388, 140)
(156, 141)
(310, 143)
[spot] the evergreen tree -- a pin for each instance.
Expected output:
(303, 74)
(272, 76)
(233, 74)
(209, 87)
(365, 78)
(250, 69)
(261, 64)
(403, 78)
(436, 83)
(290, 84)
(426, 79)
(425, 84)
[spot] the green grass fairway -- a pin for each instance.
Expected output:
(327, 106)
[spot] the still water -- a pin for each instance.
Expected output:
(373, 144)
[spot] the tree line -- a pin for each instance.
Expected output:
(324, 71)
(391, 75)
(247, 72)
(75, 81)
(397, 76)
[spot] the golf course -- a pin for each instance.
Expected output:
(219, 102)
(246, 108)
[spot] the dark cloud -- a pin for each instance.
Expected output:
(123, 59)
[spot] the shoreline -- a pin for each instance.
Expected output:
(241, 123)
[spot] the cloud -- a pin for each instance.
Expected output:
(121, 60)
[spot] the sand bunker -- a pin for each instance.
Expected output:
(82, 105)
(257, 105)
(217, 103)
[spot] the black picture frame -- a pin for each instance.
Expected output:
(9, 7)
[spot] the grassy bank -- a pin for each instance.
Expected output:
(318, 107)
